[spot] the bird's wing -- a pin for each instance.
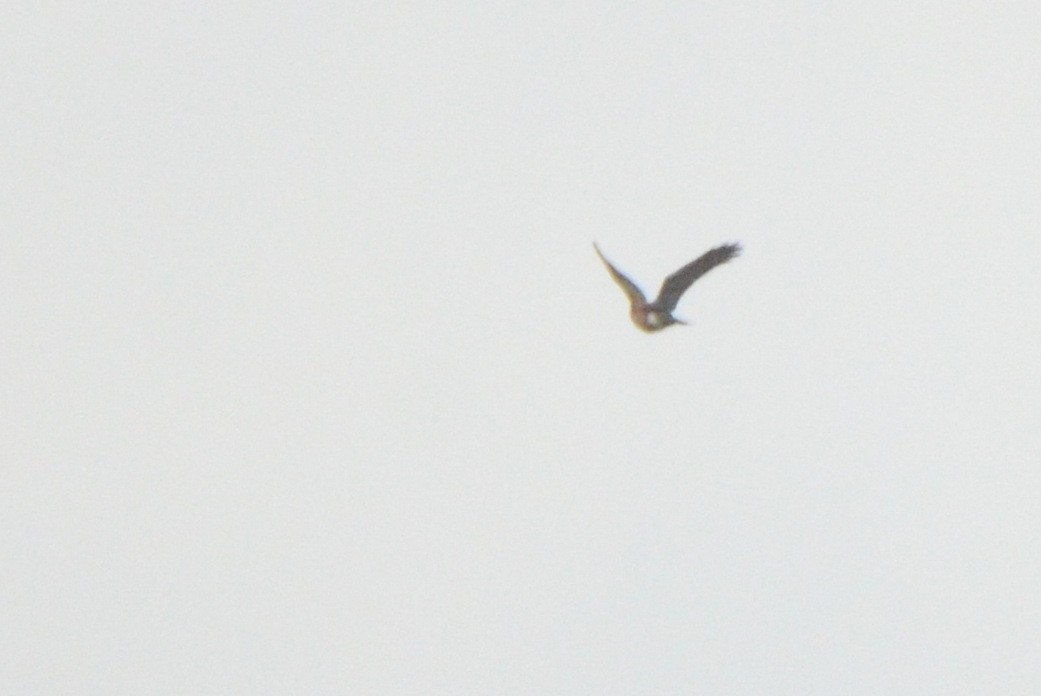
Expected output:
(677, 283)
(629, 287)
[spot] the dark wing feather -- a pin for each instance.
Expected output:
(677, 283)
(629, 287)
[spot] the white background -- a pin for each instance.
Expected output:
(312, 383)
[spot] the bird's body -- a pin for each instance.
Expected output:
(657, 315)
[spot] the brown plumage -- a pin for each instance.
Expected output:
(656, 315)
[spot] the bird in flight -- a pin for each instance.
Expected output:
(656, 315)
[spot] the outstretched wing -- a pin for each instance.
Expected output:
(677, 283)
(629, 287)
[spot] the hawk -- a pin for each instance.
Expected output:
(656, 315)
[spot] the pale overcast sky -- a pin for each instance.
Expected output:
(313, 384)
